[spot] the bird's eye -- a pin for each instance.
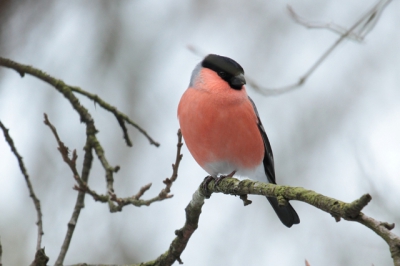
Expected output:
(222, 74)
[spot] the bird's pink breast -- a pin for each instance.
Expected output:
(220, 126)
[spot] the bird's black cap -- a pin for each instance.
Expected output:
(227, 68)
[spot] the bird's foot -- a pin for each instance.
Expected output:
(207, 181)
(210, 178)
(221, 177)
(204, 186)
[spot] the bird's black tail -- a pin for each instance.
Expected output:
(286, 214)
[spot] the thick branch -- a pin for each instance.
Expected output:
(338, 209)
(40, 258)
(32, 194)
(178, 245)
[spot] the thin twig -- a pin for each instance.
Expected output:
(32, 194)
(383, 229)
(142, 191)
(79, 204)
(71, 162)
(104, 162)
(169, 181)
(62, 148)
(121, 117)
(116, 204)
(323, 25)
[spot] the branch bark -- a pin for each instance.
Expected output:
(338, 209)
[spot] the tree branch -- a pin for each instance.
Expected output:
(87, 164)
(79, 204)
(68, 90)
(178, 245)
(91, 139)
(32, 194)
(40, 258)
(338, 209)
(111, 198)
(383, 229)
(62, 148)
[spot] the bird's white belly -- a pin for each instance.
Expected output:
(224, 168)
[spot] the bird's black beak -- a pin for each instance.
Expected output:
(238, 81)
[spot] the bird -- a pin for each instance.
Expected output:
(222, 129)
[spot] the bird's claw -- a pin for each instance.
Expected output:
(204, 185)
(221, 177)
(207, 181)
(210, 178)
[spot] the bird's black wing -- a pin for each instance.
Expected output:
(268, 156)
(286, 214)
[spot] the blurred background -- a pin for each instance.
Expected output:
(338, 134)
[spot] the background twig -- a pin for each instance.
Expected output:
(323, 25)
(32, 194)
(365, 22)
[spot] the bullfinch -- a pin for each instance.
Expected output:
(222, 129)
